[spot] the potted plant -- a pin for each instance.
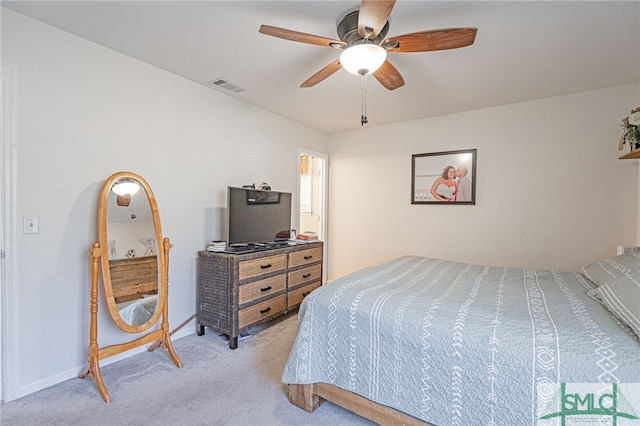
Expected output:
(631, 130)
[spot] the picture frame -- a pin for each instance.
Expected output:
(440, 178)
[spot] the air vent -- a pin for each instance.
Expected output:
(225, 84)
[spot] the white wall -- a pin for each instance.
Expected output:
(85, 112)
(551, 192)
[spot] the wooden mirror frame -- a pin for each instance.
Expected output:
(103, 219)
(99, 252)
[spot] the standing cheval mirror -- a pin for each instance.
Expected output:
(134, 259)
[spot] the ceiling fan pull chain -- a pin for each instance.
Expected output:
(363, 117)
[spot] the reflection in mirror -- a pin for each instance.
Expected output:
(133, 261)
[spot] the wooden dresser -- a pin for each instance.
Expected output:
(238, 291)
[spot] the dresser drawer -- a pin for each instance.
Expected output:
(305, 275)
(262, 288)
(262, 310)
(296, 296)
(305, 257)
(265, 265)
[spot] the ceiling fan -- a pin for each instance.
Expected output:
(367, 28)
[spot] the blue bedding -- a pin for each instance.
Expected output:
(460, 344)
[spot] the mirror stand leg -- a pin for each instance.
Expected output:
(99, 383)
(166, 339)
(94, 371)
(172, 353)
(166, 335)
(94, 352)
(165, 342)
(157, 344)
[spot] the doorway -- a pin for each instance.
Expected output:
(312, 194)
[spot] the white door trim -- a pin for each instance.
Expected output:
(324, 157)
(8, 344)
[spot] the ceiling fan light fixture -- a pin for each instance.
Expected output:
(363, 59)
(125, 187)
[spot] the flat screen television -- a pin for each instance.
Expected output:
(256, 216)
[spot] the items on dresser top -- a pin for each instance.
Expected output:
(217, 246)
(223, 246)
(237, 291)
(308, 236)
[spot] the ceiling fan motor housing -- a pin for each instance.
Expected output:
(348, 31)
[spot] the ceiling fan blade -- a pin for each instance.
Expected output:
(373, 14)
(426, 41)
(300, 37)
(322, 74)
(389, 76)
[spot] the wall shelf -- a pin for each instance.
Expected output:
(630, 155)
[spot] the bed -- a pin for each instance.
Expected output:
(134, 282)
(420, 340)
(138, 311)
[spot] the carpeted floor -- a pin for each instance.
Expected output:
(216, 386)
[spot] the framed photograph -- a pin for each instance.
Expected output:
(444, 177)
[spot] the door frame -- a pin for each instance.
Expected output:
(324, 210)
(8, 344)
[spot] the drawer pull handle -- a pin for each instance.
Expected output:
(264, 311)
(266, 288)
(268, 265)
(308, 257)
(305, 294)
(306, 275)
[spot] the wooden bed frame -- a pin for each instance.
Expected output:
(310, 396)
(132, 278)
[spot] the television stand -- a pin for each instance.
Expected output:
(237, 291)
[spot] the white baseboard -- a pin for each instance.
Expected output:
(73, 372)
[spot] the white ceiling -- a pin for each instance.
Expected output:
(523, 51)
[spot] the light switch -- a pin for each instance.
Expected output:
(31, 225)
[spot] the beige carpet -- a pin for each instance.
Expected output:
(216, 386)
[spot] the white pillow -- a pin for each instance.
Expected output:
(622, 299)
(611, 269)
